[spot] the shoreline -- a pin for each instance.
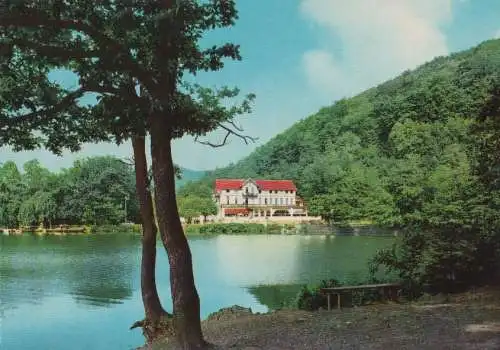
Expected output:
(210, 229)
(467, 320)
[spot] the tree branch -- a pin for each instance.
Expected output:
(247, 139)
(65, 102)
(35, 19)
(50, 50)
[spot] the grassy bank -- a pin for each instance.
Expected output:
(465, 321)
(208, 229)
(233, 228)
(250, 228)
(121, 228)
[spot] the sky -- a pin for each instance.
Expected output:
(301, 55)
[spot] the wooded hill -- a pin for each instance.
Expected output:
(408, 147)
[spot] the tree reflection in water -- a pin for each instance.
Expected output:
(96, 271)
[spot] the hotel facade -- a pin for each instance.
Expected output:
(257, 198)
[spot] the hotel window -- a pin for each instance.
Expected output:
(281, 201)
(227, 199)
(265, 200)
(227, 191)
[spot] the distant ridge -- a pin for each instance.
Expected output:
(189, 175)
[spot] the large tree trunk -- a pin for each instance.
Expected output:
(152, 305)
(186, 302)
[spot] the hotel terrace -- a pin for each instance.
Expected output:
(257, 198)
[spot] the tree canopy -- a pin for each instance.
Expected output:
(192, 207)
(92, 191)
(136, 57)
(113, 48)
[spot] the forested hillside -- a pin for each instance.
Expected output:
(420, 152)
(404, 149)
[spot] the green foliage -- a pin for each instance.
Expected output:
(113, 47)
(92, 191)
(311, 299)
(233, 229)
(120, 228)
(418, 152)
(191, 207)
(276, 296)
(196, 189)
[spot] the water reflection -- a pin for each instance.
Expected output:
(320, 258)
(276, 296)
(93, 270)
(250, 260)
(85, 290)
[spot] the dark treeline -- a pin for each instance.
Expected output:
(418, 152)
(92, 191)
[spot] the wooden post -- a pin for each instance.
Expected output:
(338, 301)
(328, 300)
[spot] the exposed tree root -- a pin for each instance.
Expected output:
(152, 330)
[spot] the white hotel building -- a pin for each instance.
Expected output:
(238, 197)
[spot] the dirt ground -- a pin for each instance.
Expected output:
(468, 321)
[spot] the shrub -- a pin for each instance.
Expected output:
(233, 228)
(445, 260)
(311, 299)
(121, 228)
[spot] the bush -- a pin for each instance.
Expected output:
(233, 229)
(121, 228)
(447, 260)
(311, 299)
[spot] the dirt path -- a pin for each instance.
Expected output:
(466, 325)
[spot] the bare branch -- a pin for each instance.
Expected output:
(239, 128)
(214, 145)
(245, 138)
(229, 132)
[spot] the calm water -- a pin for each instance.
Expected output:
(83, 292)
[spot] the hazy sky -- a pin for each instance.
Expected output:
(299, 55)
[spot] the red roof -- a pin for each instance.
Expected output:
(228, 184)
(265, 185)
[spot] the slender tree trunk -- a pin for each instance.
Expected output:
(186, 302)
(152, 305)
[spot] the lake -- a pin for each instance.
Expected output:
(83, 292)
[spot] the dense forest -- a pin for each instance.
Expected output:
(420, 150)
(95, 190)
